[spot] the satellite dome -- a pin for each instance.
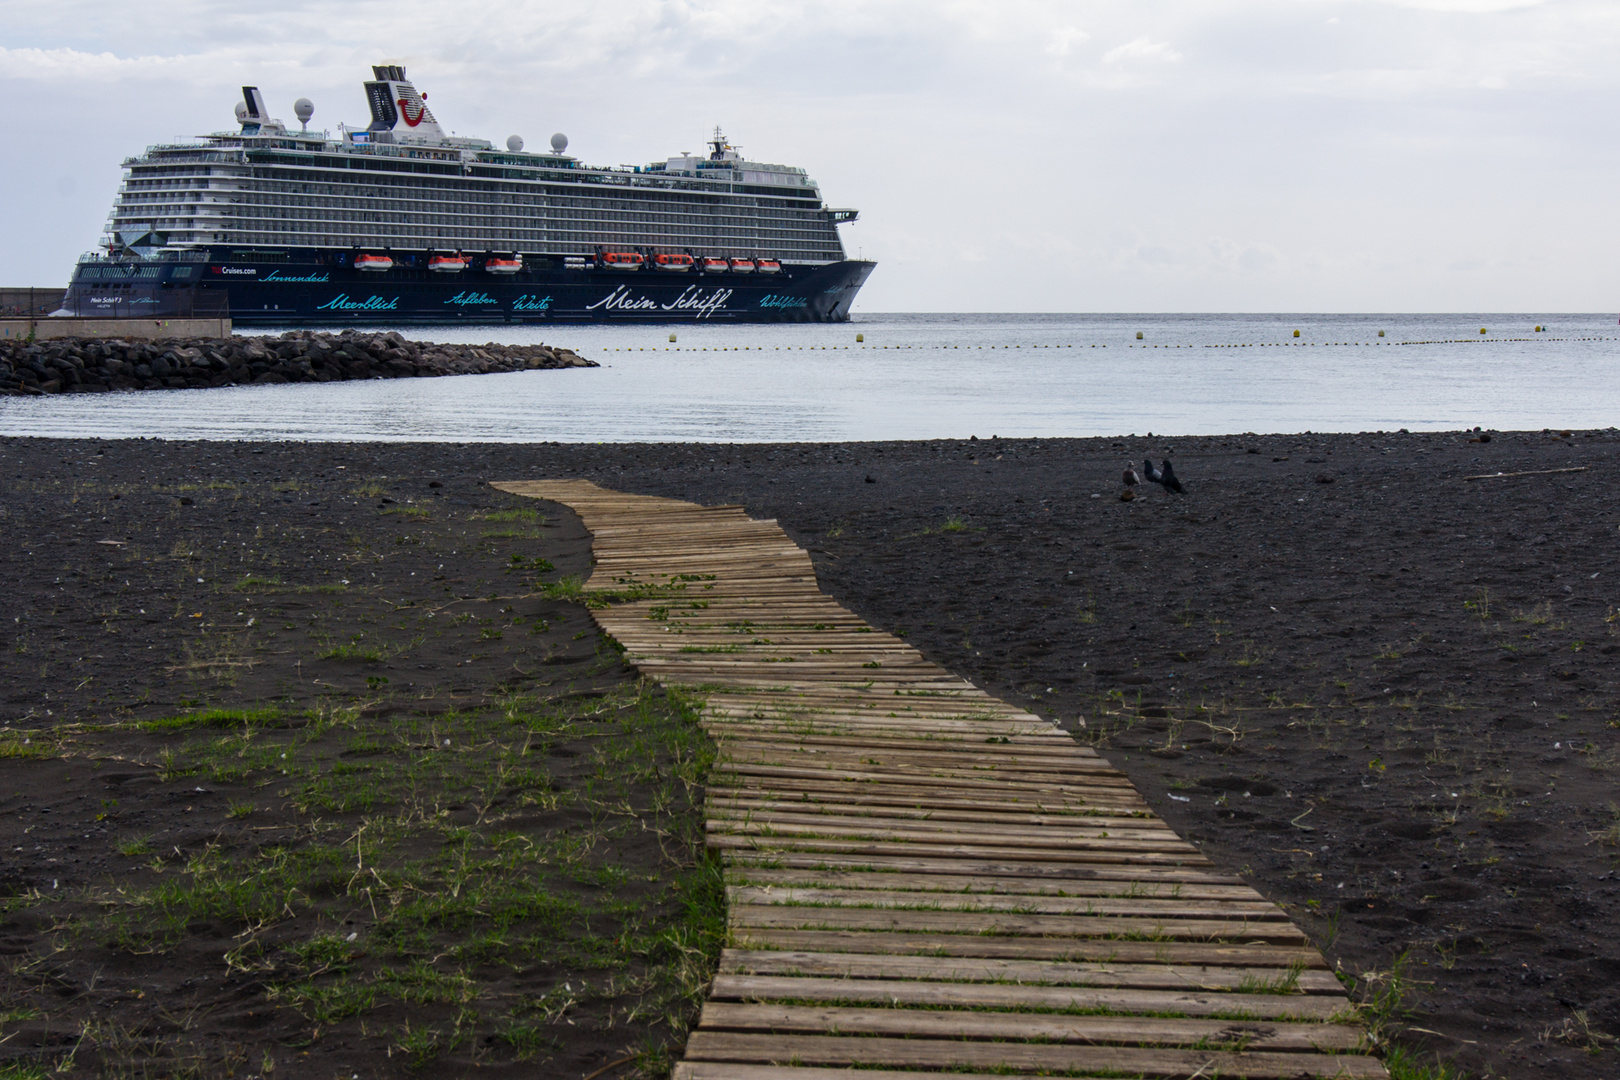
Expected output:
(514, 143)
(241, 112)
(559, 142)
(304, 108)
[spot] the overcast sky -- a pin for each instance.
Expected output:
(1014, 155)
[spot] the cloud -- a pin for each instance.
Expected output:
(1143, 48)
(73, 63)
(1065, 39)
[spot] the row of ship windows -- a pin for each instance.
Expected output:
(359, 201)
(488, 221)
(341, 183)
(455, 188)
(507, 232)
(580, 243)
(576, 208)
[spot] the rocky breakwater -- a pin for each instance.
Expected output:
(87, 365)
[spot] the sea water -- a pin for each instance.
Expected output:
(928, 376)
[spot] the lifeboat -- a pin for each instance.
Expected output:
(715, 266)
(676, 263)
(373, 262)
(497, 265)
(447, 264)
(742, 266)
(768, 266)
(620, 260)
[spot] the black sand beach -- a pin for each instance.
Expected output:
(1382, 691)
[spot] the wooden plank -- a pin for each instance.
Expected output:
(764, 807)
(835, 1050)
(920, 849)
(1201, 978)
(719, 1070)
(1036, 754)
(1005, 797)
(948, 762)
(997, 946)
(966, 783)
(1053, 840)
(940, 994)
(925, 823)
(1033, 905)
(1128, 806)
(1046, 1027)
(772, 917)
(975, 884)
(910, 862)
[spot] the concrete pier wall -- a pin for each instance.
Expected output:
(127, 329)
(22, 302)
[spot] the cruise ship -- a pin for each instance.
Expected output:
(401, 222)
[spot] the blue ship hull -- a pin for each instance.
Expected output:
(325, 289)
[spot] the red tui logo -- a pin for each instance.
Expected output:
(405, 111)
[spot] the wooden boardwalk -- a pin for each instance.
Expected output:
(922, 878)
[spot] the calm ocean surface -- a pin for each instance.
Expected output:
(929, 376)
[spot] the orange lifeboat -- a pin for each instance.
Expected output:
(447, 264)
(620, 260)
(676, 263)
(496, 265)
(373, 262)
(715, 266)
(742, 266)
(768, 266)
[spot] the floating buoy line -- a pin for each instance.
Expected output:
(1234, 345)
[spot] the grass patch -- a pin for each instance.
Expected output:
(254, 583)
(370, 654)
(448, 883)
(516, 514)
(213, 718)
(25, 746)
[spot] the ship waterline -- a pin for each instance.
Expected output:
(402, 221)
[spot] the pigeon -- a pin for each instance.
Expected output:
(1131, 479)
(1167, 477)
(1150, 472)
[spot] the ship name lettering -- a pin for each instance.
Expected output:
(530, 302)
(310, 279)
(619, 300)
(699, 304)
(774, 301)
(341, 302)
(462, 299)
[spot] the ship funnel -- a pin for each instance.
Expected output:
(255, 104)
(397, 107)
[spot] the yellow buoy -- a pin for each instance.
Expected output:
(1296, 333)
(1380, 333)
(1139, 335)
(672, 337)
(860, 337)
(1482, 329)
